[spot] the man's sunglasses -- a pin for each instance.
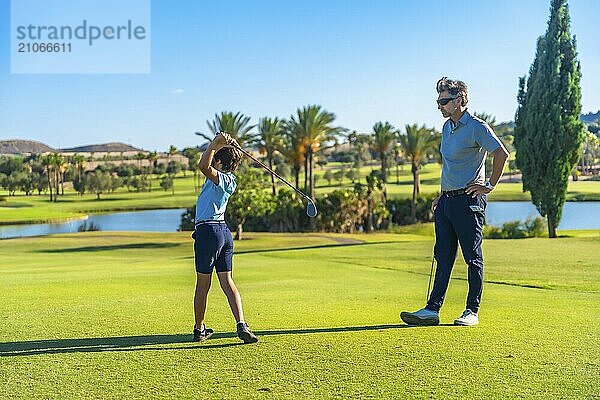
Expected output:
(443, 102)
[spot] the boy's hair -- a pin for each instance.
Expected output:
(455, 88)
(230, 158)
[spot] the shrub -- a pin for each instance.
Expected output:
(532, 227)
(400, 209)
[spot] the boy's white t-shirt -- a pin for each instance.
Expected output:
(213, 198)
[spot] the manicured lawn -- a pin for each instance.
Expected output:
(401, 187)
(108, 315)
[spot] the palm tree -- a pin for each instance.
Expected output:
(195, 162)
(269, 137)
(490, 119)
(359, 144)
(314, 126)
(58, 164)
(237, 125)
(384, 138)
(171, 152)
(48, 163)
(398, 158)
(152, 159)
(292, 148)
(79, 161)
(140, 156)
(416, 143)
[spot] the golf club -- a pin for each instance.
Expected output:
(430, 275)
(311, 208)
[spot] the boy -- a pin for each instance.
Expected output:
(213, 244)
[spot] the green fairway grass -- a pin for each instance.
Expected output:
(430, 183)
(109, 315)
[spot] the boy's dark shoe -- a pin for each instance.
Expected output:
(244, 333)
(202, 335)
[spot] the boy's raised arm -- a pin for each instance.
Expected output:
(205, 163)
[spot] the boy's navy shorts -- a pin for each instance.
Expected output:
(213, 247)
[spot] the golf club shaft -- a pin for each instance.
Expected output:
(430, 275)
(237, 146)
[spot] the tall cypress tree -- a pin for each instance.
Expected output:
(548, 133)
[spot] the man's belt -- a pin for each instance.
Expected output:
(452, 193)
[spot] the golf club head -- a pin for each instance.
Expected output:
(311, 209)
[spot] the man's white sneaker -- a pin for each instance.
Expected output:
(468, 318)
(423, 317)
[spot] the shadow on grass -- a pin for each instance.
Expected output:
(110, 247)
(137, 343)
(320, 246)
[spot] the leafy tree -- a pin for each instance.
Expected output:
(548, 132)
(353, 174)
(124, 171)
(115, 183)
(590, 152)
(328, 176)
(250, 198)
(339, 176)
(8, 165)
(191, 153)
(160, 169)
(98, 182)
(173, 168)
(167, 183)
(14, 181)
(79, 184)
(341, 211)
(374, 182)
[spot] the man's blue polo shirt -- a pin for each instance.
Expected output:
(464, 148)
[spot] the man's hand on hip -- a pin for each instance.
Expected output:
(474, 189)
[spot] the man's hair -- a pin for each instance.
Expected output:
(230, 158)
(455, 88)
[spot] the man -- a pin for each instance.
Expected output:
(459, 211)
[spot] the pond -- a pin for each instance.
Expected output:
(576, 215)
(146, 221)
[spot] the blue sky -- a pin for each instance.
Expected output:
(366, 61)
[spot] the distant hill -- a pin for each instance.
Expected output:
(17, 146)
(101, 148)
(590, 118)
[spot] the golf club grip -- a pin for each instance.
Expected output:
(270, 170)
